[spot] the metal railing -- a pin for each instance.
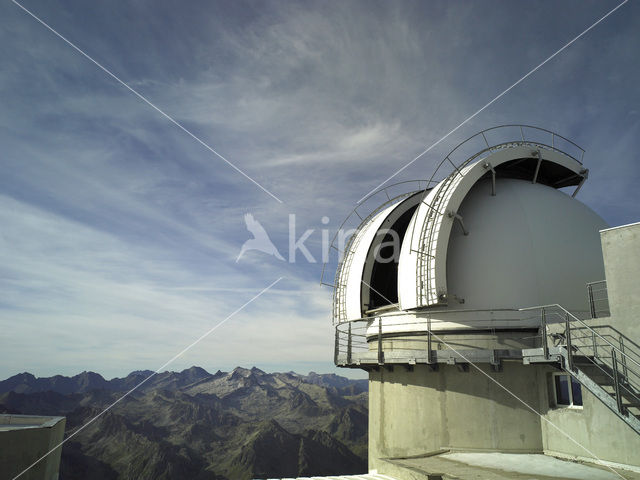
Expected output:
(370, 337)
(615, 357)
(490, 147)
(362, 219)
(602, 345)
(598, 299)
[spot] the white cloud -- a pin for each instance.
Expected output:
(119, 232)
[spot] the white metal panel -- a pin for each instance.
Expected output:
(407, 266)
(443, 320)
(353, 285)
(416, 256)
(529, 245)
(399, 210)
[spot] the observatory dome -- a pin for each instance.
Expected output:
(528, 245)
(501, 232)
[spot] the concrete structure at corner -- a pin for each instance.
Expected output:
(467, 303)
(24, 439)
(621, 249)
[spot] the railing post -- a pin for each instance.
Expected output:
(592, 305)
(545, 345)
(380, 355)
(623, 359)
(429, 339)
(349, 345)
(567, 333)
(336, 347)
(595, 344)
(616, 381)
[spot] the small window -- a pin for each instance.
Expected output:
(567, 391)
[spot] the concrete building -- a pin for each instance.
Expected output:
(477, 302)
(24, 439)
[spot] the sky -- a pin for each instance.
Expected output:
(120, 230)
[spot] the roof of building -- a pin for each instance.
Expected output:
(10, 422)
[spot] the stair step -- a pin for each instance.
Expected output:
(625, 403)
(582, 363)
(602, 381)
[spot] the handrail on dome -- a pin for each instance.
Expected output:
(502, 144)
(523, 139)
(426, 183)
(420, 184)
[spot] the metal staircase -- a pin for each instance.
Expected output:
(602, 359)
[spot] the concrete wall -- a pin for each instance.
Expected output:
(20, 447)
(586, 432)
(595, 427)
(621, 251)
(420, 411)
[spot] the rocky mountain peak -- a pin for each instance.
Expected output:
(195, 373)
(238, 425)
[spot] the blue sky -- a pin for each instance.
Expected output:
(119, 232)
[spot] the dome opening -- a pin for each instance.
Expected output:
(547, 173)
(380, 278)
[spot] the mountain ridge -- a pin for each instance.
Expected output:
(235, 425)
(26, 382)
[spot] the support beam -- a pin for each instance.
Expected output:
(585, 175)
(487, 165)
(380, 352)
(485, 140)
(454, 166)
(535, 175)
(458, 217)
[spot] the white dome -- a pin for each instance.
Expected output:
(525, 243)
(528, 245)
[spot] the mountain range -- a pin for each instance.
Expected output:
(236, 425)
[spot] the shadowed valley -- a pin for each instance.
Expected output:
(192, 424)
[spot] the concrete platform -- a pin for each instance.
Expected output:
(500, 466)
